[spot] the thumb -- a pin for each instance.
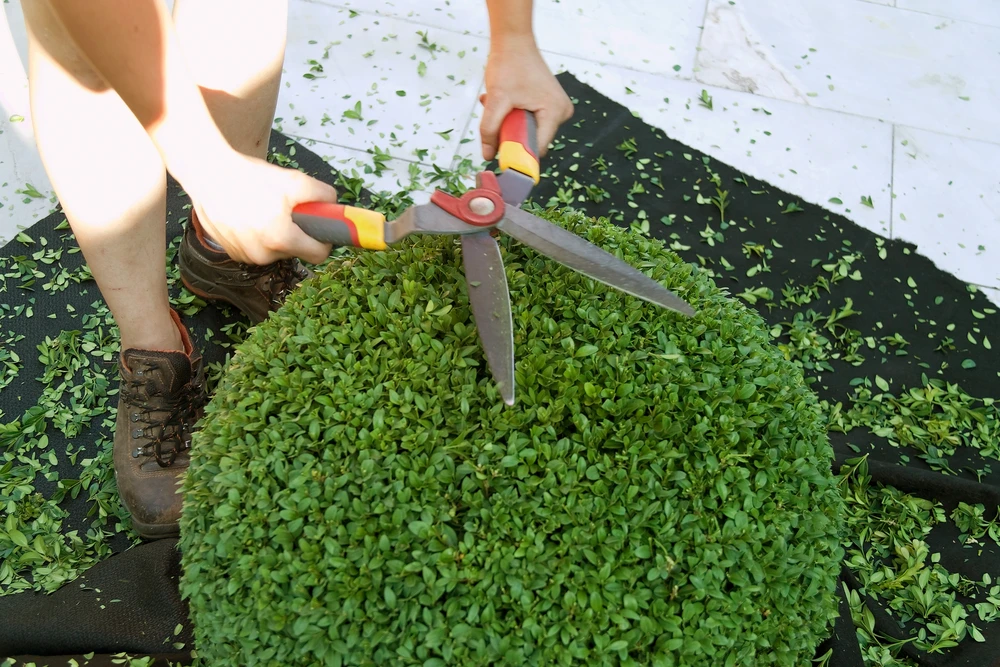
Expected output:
(305, 188)
(308, 189)
(495, 110)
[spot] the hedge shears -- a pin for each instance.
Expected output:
(494, 204)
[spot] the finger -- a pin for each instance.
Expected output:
(292, 241)
(296, 241)
(231, 246)
(305, 188)
(548, 125)
(254, 249)
(301, 245)
(495, 110)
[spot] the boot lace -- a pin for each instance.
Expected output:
(172, 424)
(282, 277)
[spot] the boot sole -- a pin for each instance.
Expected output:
(203, 294)
(211, 297)
(214, 298)
(156, 531)
(152, 531)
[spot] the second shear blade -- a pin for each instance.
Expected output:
(490, 301)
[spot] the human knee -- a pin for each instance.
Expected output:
(50, 44)
(234, 46)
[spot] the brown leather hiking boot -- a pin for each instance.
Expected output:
(214, 276)
(162, 397)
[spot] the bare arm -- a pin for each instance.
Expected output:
(510, 20)
(518, 78)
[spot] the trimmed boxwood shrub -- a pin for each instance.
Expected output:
(660, 494)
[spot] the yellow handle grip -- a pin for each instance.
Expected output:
(341, 225)
(519, 144)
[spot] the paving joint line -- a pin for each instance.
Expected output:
(455, 158)
(933, 15)
(302, 139)
(405, 19)
(892, 183)
(837, 111)
(701, 36)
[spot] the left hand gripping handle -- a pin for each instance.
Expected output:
(341, 225)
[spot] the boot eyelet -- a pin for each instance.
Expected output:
(137, 433)
(135, 416)
(136, 452)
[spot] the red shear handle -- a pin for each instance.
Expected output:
(341, 225)
(519, 144)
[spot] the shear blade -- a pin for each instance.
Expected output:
(490, 301)
(570, 250)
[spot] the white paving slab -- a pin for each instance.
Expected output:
(948, 202)
(638, 34)
(461, 16)
(393, 175)
(815, 154)
(25, 191)
(881, 62)
(360, 80)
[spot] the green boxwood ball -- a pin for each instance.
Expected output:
(660, 494)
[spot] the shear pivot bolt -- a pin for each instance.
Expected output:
(482, 206)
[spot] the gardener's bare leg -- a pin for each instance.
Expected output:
(111, 182)
(239, 46)
(109, 179)
(106, 156)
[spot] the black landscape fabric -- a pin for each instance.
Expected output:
(772, 252)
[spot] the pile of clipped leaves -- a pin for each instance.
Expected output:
(661, 493)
